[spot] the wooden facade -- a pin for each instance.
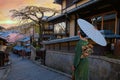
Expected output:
(103, 14)
(99, 11)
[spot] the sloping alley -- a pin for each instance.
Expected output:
(24, 69)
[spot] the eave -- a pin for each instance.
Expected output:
(92, 8)
(57, 2)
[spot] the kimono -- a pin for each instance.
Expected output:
(81, 63)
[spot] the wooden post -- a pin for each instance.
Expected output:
(102, 22)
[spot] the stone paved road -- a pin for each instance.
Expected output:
(23, 69)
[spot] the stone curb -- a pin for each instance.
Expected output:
(8, 68)
(51, 69)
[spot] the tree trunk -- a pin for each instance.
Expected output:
(40, 33)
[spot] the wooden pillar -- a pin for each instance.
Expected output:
(115, 28)
(72, 26)
(102, 22)
(118, 22)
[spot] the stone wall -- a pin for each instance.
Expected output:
(60, 61)
(101, 68)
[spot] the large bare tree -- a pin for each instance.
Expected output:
(35, 14)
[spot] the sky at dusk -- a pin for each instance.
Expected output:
(7, 5)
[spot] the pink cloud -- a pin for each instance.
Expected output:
(6, 5)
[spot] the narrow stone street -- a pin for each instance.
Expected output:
(24, 69)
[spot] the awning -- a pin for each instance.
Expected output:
(18, 47)
(25, 39)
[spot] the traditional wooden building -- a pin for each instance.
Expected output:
(103, 14)
(48, 31)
